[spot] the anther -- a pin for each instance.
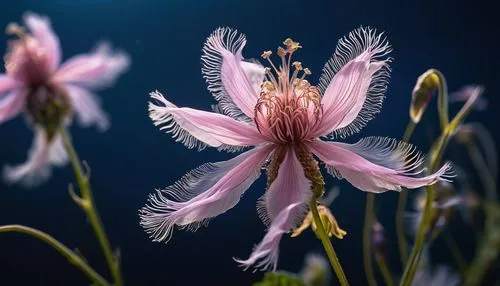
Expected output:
(281, 52)
(266, 54)
(291, 45)
(297, 65)
(15, 29)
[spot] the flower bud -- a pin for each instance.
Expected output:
(379, 241)
(422, 94)
(329, 224)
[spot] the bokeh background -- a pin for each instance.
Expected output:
(164, 40)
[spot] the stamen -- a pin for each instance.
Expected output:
(266, 54)
(270, 76)
(306, 72)
(281, 52)
(15, 29)
(297, 65)
(291, 45)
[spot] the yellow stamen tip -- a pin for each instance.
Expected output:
(291, 45)
(281, 52)
(266, 54)
(297, 65)
(15, 29)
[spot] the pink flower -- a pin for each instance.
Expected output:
(283, 117)
(50, 92)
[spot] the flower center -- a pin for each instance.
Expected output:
(289, 106)
(48, 105)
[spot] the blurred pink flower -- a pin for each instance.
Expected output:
(283, 116)
(36, 81)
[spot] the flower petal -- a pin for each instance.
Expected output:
(87, 107)
(265, 254)
(285, 205)
(12, 104)
(353, 83)
(201, 194)
(196, 128)
(41, 29)
(95, 70)
(290, 186)
(7, 84)
(41, 157)
(234, 83)
(466, 93)
(377, 164)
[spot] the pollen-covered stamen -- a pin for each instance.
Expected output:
(288, 106)
(288, 119)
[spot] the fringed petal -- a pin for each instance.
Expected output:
(290, 186)
(12, 104)
(202, 194)
(87, 107)
(376, 164)
(41, 157)
(285, 206)
(235, 83)
(41, 29)
(7, 84)
(265, 255)
(97, 69)
(353, 83)
(196, 128)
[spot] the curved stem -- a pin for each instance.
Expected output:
(403, 197)
(367, 256)
(455, 251)
(442, 100)
(86, 202)
(382, 266)
(479, 163)
(61, 248)
(327, 244)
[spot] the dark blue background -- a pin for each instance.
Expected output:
(164, 40)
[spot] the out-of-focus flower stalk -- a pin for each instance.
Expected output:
(384, 270)
(436, 154)
(455, 251)
(72, 257)
(426, 85)
(86, 203)
(485, 174)
(403, 197)
(325, 240)
(367, 230)
(488, 246)
(370, 218)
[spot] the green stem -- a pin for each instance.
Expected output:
(327, 244)
(436, 155)
(455, 251)
(442, 100)
(86, 202)
(487, 179)
(367, 229)
(403, 197)
(61, 248)
(382, 266)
